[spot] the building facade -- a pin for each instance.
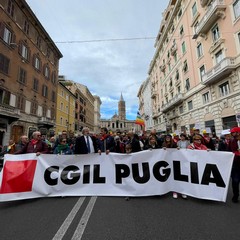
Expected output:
(97, 114)
(195, 71)
(29, 62)
(145, 103)
(118, 122)
(65, 115)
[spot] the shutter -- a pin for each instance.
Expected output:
(2, 27)
(33, 60)
(29, 54)
(20, 48)
(13, 40)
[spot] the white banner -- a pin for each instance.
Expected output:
(199, 174)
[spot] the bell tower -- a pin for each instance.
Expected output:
(121, 109)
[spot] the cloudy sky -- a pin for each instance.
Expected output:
(80, 27)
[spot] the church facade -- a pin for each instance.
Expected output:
(118, 122)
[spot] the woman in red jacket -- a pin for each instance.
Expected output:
(197, 143)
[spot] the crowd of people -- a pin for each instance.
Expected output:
(131, 142)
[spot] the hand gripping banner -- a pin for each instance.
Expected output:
(199, 174)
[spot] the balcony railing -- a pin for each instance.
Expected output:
(204, 3)
(153, 94)
(221, 70)
(173, 102)
(46, 121)
(213, 13)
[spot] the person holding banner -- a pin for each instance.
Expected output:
(35, 145)
(234, 146)
(106, 142)
(197, 143)
(85, 144)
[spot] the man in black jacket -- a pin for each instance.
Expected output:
(85, 144)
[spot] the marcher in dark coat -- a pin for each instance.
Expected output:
(85, 144)
(223, 144)
(152, 143)
(234, 146)
(106, 142)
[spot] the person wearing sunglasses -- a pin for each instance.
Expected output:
(35, 145)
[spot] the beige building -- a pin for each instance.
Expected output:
(97, 115)
(195, 71)
(86, 113)
(65, 114)
(29, 62)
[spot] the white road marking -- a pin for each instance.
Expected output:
(63, 229)
(83, 221)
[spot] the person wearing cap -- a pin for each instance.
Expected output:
(197, 143)
(207, 140)
(225, 140)
(234, 146)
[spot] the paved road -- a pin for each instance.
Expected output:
(112, 218)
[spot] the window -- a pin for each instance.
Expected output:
(224, 89)
(239, 37)
(181, 31)
(218, 56)
(183, 47)
(54, 78)
(10, 8)
(4, 64)
(22, 77)
(39, 42)
(179, 89)
(26, 27)
(202, 71)
(185, 66)
(215, 33)
(199, 50)
(236, 8)
(194, 9)
(46, 72)
(37, 62)
(177, 75)
(187, 85)
(20, 103)
(35, 84)
(4, 97)
(24, 51)
(53, 97)
(179, 13)
(5, 34)
(44, 111)
(44, 91)
(190, 105)
(205, 97)
(61, 106)
(34, 107)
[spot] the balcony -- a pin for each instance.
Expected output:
(221, 70)
(163, 67)
(173, 102)
(9, 112)
(172, 116)
(153, 94)
(213, 13)
(45, 122)
(173, 49)
(155, 114)
(204, 2)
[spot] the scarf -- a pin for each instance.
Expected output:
(62, 147)
(34, 141)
